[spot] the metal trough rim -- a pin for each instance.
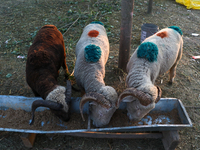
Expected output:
(153, 127)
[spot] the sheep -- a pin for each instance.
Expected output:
(155, 56)
(92, 51)
(45, 57)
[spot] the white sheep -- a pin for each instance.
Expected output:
(92, 51)
(155, 56)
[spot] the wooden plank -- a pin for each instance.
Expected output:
(170, 139)
(28, 139)
(117, 135)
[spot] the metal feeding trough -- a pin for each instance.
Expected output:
(163, 106)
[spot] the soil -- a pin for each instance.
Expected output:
(19, 22)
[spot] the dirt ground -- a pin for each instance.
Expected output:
(19, 22)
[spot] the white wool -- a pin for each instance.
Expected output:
(58, 95)
(109, 93)
(142, 73)
(90, 76)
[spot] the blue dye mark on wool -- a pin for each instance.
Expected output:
(176, 29)
(148, 50)
(92, 53)
(97, 22)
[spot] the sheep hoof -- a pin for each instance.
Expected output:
(170, 82)
(67, 75)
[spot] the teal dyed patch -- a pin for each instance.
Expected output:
(97, 22)
(148, 50)
(176, 29)
(92, 53)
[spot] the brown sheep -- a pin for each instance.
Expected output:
(45, 57)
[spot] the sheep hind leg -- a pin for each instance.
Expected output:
(172, 73)
(64, 65)
(172, 70)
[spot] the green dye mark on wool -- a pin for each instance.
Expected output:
(97, 22)
(176, 29)
(92, 53)
(148, 50)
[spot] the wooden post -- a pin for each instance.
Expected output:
(125, 32)
(150, 6)
(170, 139)
(28, 139)
(117, 135)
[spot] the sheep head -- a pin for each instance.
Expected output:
(58, 101)
(102, 105)
(140, 102)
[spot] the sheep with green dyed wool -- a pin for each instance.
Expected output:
(157, 54)
(92, 51)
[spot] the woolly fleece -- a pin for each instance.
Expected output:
(58, 96)
(176, 29)
(92, 53)
(148, 50)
